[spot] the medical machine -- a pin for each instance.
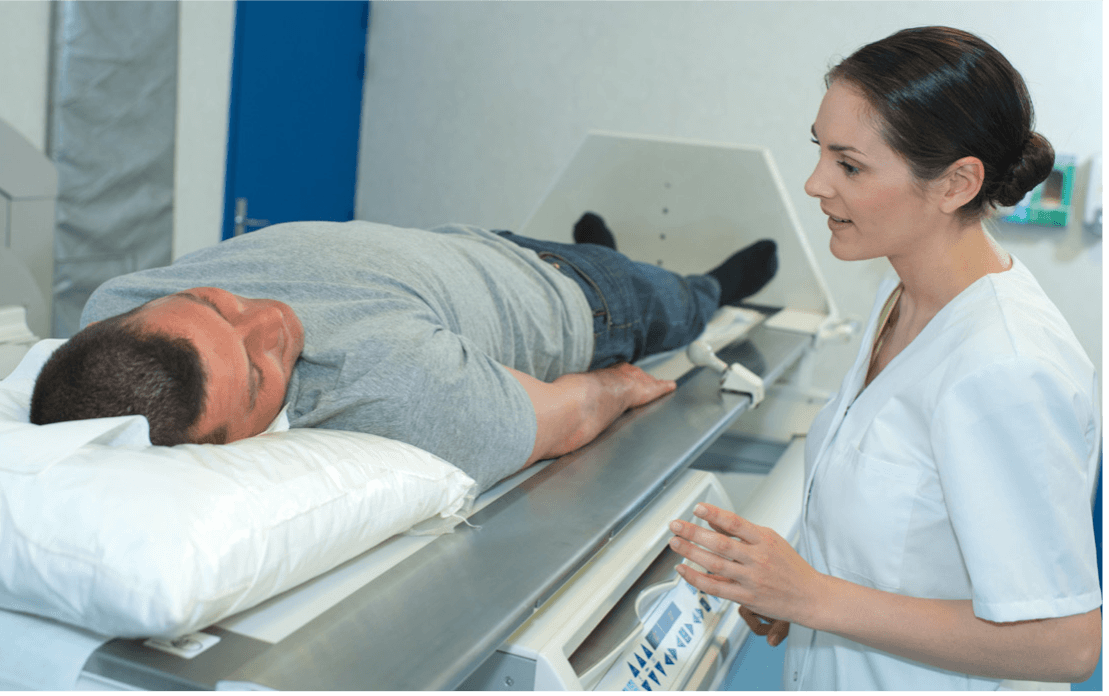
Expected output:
(1093, 206)
(28, 188)
(561, 577)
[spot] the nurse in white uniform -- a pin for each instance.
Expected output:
(947, 534)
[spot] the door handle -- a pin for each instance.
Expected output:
(242, 221)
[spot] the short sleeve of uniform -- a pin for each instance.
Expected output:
(1014, 443)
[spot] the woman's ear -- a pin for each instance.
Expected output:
(961, 184)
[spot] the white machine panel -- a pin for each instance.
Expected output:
(626, 616)
(686, 206)
(666, 645)
(28, 188)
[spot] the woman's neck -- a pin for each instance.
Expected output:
(944, 265)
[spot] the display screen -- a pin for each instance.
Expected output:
(662, 626)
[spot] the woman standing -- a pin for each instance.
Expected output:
(946, 534)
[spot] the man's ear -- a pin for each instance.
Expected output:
(961, 183)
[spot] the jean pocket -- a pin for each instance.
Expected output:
(593, 293)
(865, 511)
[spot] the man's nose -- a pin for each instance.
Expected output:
(262, 324)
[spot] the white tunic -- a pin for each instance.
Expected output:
(965, 470)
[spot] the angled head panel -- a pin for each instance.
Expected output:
(686, 206)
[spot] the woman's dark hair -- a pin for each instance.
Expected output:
(115, 368)
(943, 94)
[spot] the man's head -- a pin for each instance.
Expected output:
(203, 365)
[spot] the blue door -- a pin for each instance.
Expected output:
(296, 105)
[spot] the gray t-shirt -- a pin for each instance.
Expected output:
(406, 331)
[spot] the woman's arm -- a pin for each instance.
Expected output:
(755, 567)
(573, 409)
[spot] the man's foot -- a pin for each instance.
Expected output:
(746, 271)
(591, 229)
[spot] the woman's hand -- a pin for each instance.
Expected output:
(751, 565)
(775, 630)
(755, 567)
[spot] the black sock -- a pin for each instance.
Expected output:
(746, 271)
(591, 229)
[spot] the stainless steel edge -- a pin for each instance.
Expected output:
(131, 662)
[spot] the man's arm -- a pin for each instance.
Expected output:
(575, 408)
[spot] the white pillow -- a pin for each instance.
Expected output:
(101, 529)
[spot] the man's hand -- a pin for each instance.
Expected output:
(574, 409)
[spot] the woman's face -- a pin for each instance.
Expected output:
(874, 204)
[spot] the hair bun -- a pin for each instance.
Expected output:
(1033, 166)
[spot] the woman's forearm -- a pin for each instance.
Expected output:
(755, 567)
(947, 634)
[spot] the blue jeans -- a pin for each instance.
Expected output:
(638, 309)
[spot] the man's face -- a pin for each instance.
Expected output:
(248, 348)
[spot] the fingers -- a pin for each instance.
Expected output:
(757, 623)
(775, 630)
(717, 564)
(658, 387)
(715, 585)
(778, 632)
(641, 386)
(648, 381)
(722, 539)
(706, 548)
(651, 388)
(727, 522)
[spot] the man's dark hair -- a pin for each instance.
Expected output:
(115, 368)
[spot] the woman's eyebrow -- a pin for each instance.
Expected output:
(838, 148)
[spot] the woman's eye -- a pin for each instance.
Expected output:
(851, 170)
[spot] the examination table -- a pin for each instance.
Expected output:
(562, 578)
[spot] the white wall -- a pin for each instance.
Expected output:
(206, 32)
(471, 109)
(24, 67)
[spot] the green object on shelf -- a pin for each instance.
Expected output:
(1049, 204)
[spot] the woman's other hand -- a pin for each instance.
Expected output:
(775, 630)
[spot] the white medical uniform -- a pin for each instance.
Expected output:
(965, 470)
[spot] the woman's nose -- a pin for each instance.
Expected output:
(815, 186)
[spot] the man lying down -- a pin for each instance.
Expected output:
(488, 349)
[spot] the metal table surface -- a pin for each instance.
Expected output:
(428, 622)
